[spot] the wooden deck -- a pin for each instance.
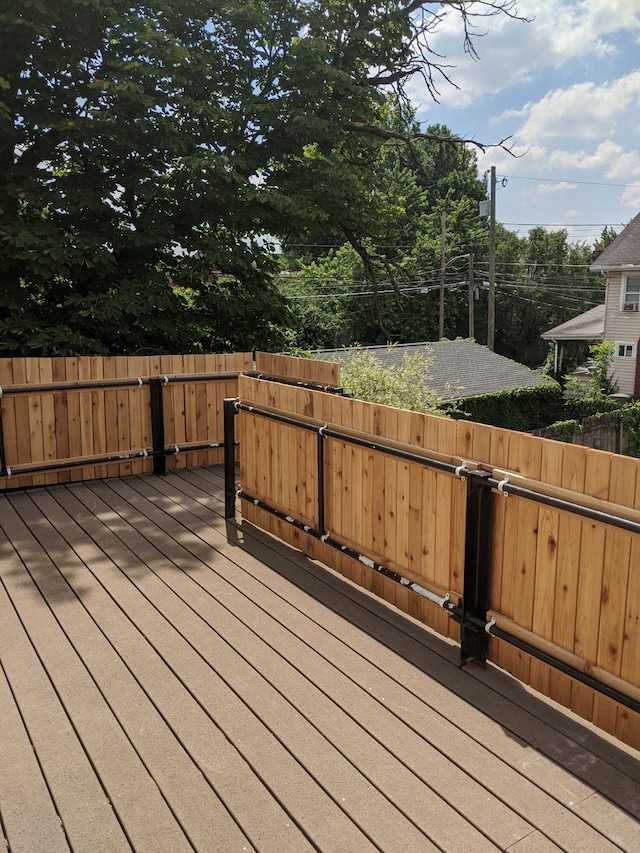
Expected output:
(169, 682)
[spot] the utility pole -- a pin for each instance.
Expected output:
(443, 236)
(472, 332)
(491, 313)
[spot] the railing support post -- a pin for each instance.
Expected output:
(321, 482)
(229, 413)
(157, 425)
(474, 640)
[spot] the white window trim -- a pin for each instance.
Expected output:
(623, 288)
(632, 344)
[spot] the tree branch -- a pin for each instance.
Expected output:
(386, 134)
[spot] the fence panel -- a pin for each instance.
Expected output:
(567, 584)
(56, 425)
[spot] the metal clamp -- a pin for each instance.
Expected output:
(176, 449)
(502, 484)
(461, 470)
(165, 379)
(322, 431)
(490, 624)
(140, 382)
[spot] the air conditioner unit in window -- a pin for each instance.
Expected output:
(630, 306)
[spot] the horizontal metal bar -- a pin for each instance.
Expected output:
(86, 461)
(84, 385)
(508, 488)
(441, 601)
(566, 668)
(129, 382)
(298, 383)
(429, 462)
(557, 663)
(275, 416)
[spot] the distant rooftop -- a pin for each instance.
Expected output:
(459, 369)
(588, 326)
(623, 252)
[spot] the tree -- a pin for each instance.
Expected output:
(541, 281)
(144, 148)
(380, 286)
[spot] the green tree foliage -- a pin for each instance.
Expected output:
(143, 147)
(385, 287)
(401, 384)
(541, 280)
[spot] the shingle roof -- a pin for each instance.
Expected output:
(585, 327)
(624, 251)
(459, 368)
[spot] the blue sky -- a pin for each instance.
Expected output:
(566, 88)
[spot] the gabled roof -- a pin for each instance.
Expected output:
(585, 327)
(459, 368)
(623, 252)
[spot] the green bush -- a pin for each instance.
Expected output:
(522, 409)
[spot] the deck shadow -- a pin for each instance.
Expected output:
(529, 719)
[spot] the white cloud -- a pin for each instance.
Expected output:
(583, 110)
(543, 190)
(514, 52)
(631, 197)
(604, 157)
(624, 166)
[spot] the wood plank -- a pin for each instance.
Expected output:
(29, 818)
(35, 423)
(588, 609)
(83, 809)
(109, 412)
(545, 590)
(566, 600)
(85, 415)
(147, 816)
(45, 373)
(124, 424)
(99, 416)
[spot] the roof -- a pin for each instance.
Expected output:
(623, 252)
(585, 327)
(459, 368)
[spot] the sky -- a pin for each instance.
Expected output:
(565, 87)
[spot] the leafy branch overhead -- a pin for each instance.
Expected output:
(146, 149)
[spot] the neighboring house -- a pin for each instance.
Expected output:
(585, 328)
(620, 262)
(459, 369)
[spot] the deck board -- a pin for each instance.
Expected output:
(171, 681)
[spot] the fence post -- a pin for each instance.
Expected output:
(474, 640)
(320, 458)
(229, 413)
(157, 425)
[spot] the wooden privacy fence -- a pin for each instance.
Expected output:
(82, 418)
(519, 547)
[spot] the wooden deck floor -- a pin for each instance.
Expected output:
(169, 682)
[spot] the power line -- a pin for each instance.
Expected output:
(568, 181)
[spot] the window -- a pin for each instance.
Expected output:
(631, 293)
(625, 350)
